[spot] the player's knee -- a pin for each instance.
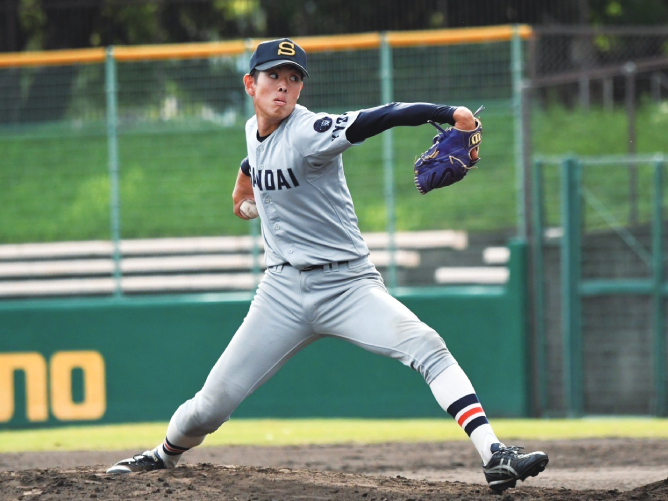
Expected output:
(209, 422)
(210, 412)
(433, 357)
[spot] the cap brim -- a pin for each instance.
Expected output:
(280, 62)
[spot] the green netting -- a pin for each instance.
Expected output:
(611, 341)
(180, 127)
(617, 355)
(53, 151)
(617, 220)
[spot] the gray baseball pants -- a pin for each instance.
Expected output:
(290, 310)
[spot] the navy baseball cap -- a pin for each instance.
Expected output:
(276, 53)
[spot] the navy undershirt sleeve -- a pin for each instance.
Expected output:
(373, 121)
(245, 166)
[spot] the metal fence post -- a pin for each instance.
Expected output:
(584, 86)
(113, 166)
(540, 344)
(608, 96)
(571, 214)
(249, 111)
(516, 72)
(630, 70)
(659, 316)
(386, 93)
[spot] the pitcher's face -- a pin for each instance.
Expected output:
(275, 93)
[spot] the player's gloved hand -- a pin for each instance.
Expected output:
(453, 153)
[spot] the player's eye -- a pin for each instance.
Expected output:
(294, 78)
(273, 75)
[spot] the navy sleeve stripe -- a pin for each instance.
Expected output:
(373, 121)
(456, 407)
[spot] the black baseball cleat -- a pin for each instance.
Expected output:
(147, 461)
(507, 466)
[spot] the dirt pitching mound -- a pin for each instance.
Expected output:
(208, 482)
(605, 469)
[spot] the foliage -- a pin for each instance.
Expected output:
(607, 12)
(53, 24)
(178, 182)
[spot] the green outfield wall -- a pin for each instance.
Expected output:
(136, 359)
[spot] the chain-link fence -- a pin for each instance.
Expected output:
(600, 286)
(599, 333)
(163, 194)
(620, 75)
(146, 147)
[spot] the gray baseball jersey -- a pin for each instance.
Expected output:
(300, 190)
(319, 280)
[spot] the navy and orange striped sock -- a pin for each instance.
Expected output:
(455, 394)
(172, 450)
(170, 453)
(468, 413)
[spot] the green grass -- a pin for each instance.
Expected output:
(178, 182)
(327, 431)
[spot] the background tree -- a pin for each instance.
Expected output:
(67, 24)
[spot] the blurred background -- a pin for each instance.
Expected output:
(69, 24)
(121, 133)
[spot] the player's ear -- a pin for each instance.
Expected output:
(249, 85)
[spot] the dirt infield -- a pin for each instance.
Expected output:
(583, 469)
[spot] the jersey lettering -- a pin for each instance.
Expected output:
(294, 179)
(335, 132)
(281, 180)
(342, 119)
(269, 184)
(272, 183)
(256, 178)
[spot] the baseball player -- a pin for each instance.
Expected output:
(319, 281)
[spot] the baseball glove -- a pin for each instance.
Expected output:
(449, 158)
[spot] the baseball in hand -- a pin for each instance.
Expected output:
(248, 209)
